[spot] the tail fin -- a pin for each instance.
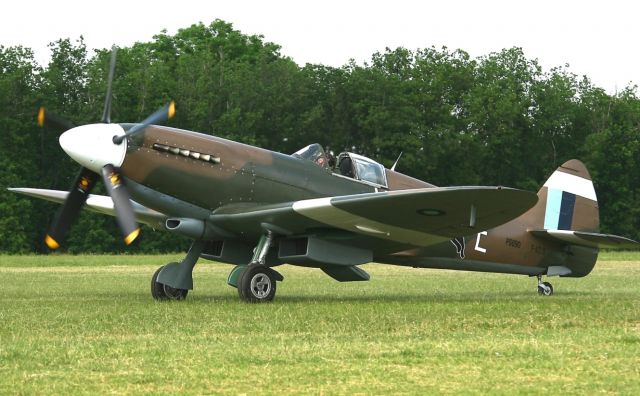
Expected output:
(567, 204)
(568, 199)
(567, 212)
(571, 210)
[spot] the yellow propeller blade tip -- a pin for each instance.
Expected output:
(51, 243)
(172, 109)
(41, 117)
(131, 237)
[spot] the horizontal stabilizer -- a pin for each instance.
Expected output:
(588, 239)
(96, 203)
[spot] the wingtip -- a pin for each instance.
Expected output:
(20, 190)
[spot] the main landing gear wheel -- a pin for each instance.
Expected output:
(545, 289)
(256, 284)
(161, 291)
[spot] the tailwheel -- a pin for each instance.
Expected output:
(544, 288)
(160, 291)
(257, 284)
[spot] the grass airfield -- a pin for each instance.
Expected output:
(88, 325)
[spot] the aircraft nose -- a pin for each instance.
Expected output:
(92, 145)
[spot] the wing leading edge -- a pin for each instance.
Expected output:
(96, 203)
(419, 217)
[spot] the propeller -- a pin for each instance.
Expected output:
(49, 118)
(72, 141)
(163, 114)
(106, 114)
(121, 201)
(70, 210)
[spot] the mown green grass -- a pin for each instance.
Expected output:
(87, 325)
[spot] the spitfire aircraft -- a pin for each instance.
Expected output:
(258, 209)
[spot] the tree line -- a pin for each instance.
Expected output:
(498, 119)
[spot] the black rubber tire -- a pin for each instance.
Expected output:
(545, 291)
(162, 292)
(547, 284)
(240, 289)
(256, 284)
(175, 294)
(157, 289)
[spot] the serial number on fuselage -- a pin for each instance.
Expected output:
(514, 243)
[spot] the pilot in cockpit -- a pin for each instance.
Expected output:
(345, 166)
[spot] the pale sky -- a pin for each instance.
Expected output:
(596, 38)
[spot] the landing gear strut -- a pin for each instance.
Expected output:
(544, 288)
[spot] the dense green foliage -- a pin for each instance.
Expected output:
(497, 119)
(87, 325)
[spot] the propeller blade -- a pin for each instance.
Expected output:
(106, 114)
(49, 118)
(120, 196)
(165, 113)
(70, 210)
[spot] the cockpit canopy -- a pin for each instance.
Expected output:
(314, 153)
(348, 164)
(362, 168)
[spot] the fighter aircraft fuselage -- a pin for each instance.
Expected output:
(200, 173)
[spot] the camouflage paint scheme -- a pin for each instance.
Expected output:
(258, 209)
(248, 179)
(512, 243)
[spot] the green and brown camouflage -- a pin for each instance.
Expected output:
(229, 195)
(245, 180)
